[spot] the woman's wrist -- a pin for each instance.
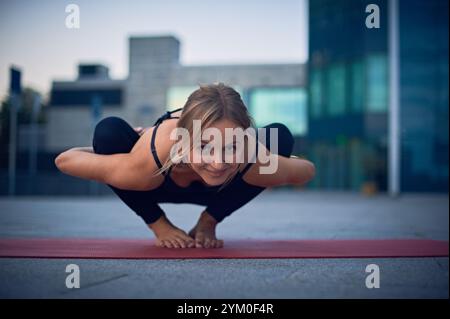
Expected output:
(161, 223)
(205, 217)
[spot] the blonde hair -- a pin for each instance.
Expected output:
(211, 103)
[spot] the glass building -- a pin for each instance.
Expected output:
(266, 104)
(349, 95)
(278, 104)
(424, 94)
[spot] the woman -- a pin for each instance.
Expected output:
(140, 165)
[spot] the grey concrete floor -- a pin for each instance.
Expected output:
(275, 214)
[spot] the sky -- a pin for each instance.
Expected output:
(34, 37)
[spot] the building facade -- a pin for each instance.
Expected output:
(349, 95)
(157, 82)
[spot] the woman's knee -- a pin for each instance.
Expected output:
(285, 139)
(112, 135)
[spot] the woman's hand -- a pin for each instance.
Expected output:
(170, 236)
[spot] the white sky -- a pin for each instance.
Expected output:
(33, 35)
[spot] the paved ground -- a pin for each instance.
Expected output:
(274, 214)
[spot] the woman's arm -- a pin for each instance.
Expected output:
(288, 171)
(122, 170)
(303, 170)
(82, 162)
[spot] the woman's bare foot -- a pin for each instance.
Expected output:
(204, 232)
(170, 236)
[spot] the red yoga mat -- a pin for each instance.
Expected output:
(244, 248)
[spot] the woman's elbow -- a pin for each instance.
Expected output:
(311, 171)
(60, 161)
(307, 173)
(65, 162)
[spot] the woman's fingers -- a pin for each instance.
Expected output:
(207, 243)
(186, 240)
(199, 239)
(176, 239)
(191, 244)
(175, 243)
(180, 242)
(219, 243)
(167, 244)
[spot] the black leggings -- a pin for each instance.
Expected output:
(114, 135)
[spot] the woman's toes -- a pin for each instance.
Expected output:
(207, 243)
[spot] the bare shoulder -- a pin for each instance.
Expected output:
(163, 142)
(177, 113)
(142, 156)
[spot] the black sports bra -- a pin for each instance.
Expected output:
(195, 185)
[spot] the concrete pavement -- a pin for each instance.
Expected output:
(274, 214)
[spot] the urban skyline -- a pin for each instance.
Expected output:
(238, 25)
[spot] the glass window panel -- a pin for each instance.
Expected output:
(377, 83)
(357, 89)
(336, 95)
(178, 95)
(283, 105)
(316, 95)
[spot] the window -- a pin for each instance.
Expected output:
(357, 86)
(316, 93)
(377, 83)
(178, 95)
(336, 93)
(84, 97)
(283, 105)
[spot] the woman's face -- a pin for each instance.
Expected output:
(214, 168)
